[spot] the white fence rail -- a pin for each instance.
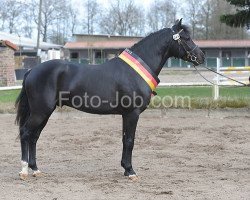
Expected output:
(241, 74)
(11, 88)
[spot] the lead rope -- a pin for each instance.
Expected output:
(203, 76)
(243, 84)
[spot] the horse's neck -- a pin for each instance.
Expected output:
(155, 52)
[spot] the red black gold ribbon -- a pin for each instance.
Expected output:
(140, 67)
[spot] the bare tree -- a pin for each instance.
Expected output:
(140, 30)
(47, 16)
(73, 20)
(192, 11)
(11, 11)
(3, 15)
(51, 13)
(161, 14)
(206, 17)
(122, 18)
(27, 25)
(108, 23)
(55, 17)
(92, 10)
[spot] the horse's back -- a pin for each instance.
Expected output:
(46, 80)
(54, 72)
(64, 75)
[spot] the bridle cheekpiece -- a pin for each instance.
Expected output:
(189, 54)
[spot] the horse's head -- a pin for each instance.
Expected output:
(183, 46)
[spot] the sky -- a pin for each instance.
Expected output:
(144, 3)
(106, 3)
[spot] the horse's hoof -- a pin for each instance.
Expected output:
(133, 178)
(23, 176)
(37, 173)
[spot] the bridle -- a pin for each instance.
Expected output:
(193, 58)
(189, 53)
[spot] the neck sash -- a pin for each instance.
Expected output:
(140, 67)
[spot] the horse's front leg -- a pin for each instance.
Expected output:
(129, 127)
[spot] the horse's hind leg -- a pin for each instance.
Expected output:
(25, 153)
(29, 134)
(32, 149)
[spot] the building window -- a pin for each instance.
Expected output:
(211, 62)
(226, 54)
(185, 63)
(238, 62)
(74, 55)
(226, 59)
(98, 54)
(175, 62)
(98, 57)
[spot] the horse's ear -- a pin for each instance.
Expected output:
(178, 23)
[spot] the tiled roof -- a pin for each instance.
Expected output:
(99, 44)
(223, 43)
(8, 44)
(124, 44)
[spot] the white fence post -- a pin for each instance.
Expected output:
(216, 92)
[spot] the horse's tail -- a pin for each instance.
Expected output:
(22, 105)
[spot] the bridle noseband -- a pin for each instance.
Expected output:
(189, 54)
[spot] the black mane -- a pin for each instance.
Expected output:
(155, 36)
(152, 36)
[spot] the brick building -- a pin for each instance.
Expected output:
(7, 63)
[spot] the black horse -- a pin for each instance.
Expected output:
(123, 85)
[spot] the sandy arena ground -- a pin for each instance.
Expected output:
(178, 154)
